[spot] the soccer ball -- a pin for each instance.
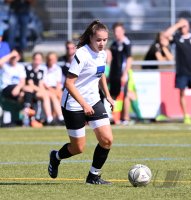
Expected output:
(139, 175)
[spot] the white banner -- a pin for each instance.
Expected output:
(148, 92)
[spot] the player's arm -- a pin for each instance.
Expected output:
(19, 87)
(127, 68)
(6, 58)
(172, 29)
(70, 86)
(168, 54)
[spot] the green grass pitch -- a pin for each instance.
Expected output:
(164, 148)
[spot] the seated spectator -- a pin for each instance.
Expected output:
(13, 76)
(53, 84)
(4, 46)
(67, 58)
(35, 90)
(13, 80)
(159, 50)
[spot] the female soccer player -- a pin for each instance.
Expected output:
(81, 103)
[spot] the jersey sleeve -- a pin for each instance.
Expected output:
(77, 63)
(128, 50)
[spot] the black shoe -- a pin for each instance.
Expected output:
(53, 164)
(96, 179)
(60, 122)
(52, 123)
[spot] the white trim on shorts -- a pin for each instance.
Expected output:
(98, 123)
(76, 133)
(93, 124)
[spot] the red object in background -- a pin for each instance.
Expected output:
(118, 106)
(170, 100)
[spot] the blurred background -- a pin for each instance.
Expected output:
(60, 20)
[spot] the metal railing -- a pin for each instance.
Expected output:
(66, 19)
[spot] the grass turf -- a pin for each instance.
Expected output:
(165, 148)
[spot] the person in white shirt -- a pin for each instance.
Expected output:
(53, 83)
(81, 102)
(13, 82)
(13, 76)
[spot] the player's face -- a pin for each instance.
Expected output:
(37, 60)
(51, 60)
(99, 40)
(71, 49)
(163, 40)
(119, 33)
(185, 29)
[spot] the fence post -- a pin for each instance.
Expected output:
(172, 12)
(69, 10)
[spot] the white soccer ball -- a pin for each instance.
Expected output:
(139, 175)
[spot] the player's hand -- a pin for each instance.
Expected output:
(124, 78)
(111, 101)
(182, 22)
(88, 110)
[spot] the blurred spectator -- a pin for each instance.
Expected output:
(13, 81)
(159, 50)
(13, 77)
(19, 17)
(53, 84)
(35, 90)
(181, 36)
(67, 58)
(4, 46)
(120, 64)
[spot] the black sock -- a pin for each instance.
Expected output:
(64, 153)
(100, 156)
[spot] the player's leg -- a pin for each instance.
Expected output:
(125, 119)
(103, 132)
(76, 146)
(44, 97)
(75, 124)
(181, 82)
(56, 106)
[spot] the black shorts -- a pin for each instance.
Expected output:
(7, 92)
(182, 81)
(77, 119)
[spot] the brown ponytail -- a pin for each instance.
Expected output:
(90, 31)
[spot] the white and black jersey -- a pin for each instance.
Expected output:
(34, 74)
(183, 54)
(11, 75)
(89, 67)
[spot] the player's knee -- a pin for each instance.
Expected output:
(78, 149)
(107, 142)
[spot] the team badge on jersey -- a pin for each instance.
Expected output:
(100, 71)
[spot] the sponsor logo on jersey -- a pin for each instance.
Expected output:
(100, 71)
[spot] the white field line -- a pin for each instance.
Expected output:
(89, 161)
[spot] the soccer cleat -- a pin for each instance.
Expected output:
(53, 164)
(96, 179)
